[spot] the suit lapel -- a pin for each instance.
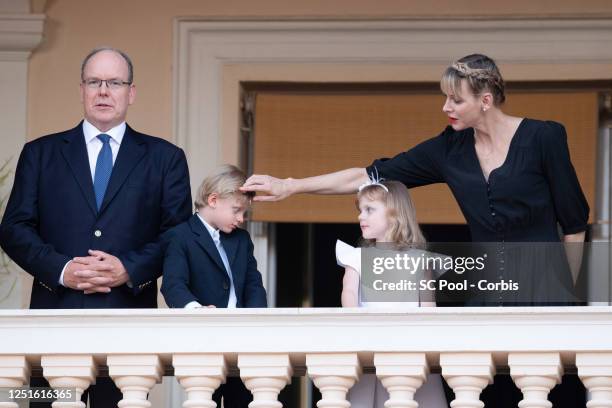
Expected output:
(132, 150)
(75, 154)
(203, 238)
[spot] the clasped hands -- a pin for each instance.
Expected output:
(96, 273)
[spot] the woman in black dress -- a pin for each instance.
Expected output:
(512, 178)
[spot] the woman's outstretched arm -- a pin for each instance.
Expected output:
(275, 189)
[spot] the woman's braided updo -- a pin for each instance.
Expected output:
(481, 74)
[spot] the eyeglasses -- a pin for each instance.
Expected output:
(112, 84)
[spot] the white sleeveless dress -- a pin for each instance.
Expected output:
(369, 391)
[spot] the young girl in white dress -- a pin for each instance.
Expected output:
(386, 214)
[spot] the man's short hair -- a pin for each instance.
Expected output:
(225, 180)
(93, 52)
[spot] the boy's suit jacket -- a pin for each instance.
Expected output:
(194, 271)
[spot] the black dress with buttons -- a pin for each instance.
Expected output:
(524, 200)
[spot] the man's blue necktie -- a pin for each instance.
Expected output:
(104, 168)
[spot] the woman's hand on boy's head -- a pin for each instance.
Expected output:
(275, 189)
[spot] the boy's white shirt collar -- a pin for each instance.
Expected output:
(212, 231)
(116, 133)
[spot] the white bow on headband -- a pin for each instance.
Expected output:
(374, 180)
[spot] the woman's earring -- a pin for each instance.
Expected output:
(484, 109)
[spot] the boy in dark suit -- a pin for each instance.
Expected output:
(209, 260)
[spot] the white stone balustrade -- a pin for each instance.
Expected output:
(402, 374)
(14, 373)
(467, 374)
(333, 374)
(595, 371)
(535, 374)
(200, 375)
(265, 375)
(269, 346)
(69, 371)
(134, 375)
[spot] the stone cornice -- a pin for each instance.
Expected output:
(419, 40)
(19, 35)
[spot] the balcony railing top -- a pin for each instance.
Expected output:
(298, 331)
(332, 346)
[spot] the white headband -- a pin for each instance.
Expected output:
(374, 180)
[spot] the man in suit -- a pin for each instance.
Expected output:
(89, 204)
(209, 261)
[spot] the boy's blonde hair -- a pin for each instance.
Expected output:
(404, 230)
(225, 180)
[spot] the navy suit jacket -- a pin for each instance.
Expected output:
(51, 215)
(194, 271)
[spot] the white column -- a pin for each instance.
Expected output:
(535, 374)
(69, 371)
(402, 374)
(134, 375)
(14, 373)
(200, 375)
(334, 375)
(595, 371)
(467, 374)
(265, 375)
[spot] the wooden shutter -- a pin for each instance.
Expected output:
(299, 135)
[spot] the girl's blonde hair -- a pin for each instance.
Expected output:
(404, 230)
